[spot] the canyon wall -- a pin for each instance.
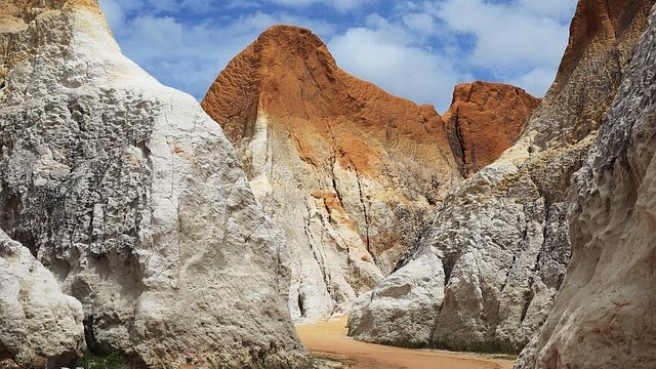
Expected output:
(135, 201)
(346, 169)
(493, 255)
(603, 316)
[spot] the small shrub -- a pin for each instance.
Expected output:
(112, 361)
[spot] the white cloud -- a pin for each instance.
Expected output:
(508, 35)
(340, 5)
(419, 51)
(384, 54)
(563, 9)
(114, 13)
(537, 81)
(420, 22)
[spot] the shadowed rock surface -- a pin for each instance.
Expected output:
(501, 241)
(484, 120)
(603, 316)
(135, 200)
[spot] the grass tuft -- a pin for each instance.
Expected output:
(113, 360)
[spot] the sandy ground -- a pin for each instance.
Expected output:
(329, 340)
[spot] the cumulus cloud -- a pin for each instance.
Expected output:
(189, 55)
(340, 5)
(387, 55)
(509, 35)
(414, 49)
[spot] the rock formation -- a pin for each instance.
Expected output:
(39, 325)
(603, 316)
(484, 120)
(134, 199)
(346, 169)
(501, 244)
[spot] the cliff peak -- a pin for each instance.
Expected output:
(484, 119)
(330, 154)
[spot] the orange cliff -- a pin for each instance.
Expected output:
(289, 74)
(347, 170)
(484, 120)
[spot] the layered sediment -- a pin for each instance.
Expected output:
(346, 169)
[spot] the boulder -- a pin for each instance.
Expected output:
(40, 326)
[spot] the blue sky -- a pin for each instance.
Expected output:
(415, 49)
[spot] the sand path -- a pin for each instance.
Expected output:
(329, 340)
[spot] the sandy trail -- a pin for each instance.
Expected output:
(330, 340)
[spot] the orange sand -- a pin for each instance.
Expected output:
(329, 340)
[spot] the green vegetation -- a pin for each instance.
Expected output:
(113, 360)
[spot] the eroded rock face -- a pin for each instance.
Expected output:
(347, 169)
(39, 325)
(603, 315)
(502, 239)
(484, 120)
(135, 200)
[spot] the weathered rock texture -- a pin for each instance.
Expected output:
(603, 317)
(501, 242)
(135, 200)
(39, 325)
(484, 120)
(347, 169)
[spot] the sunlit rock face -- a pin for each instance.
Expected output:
(135, 200)
(484, 120)
(501, 242)
(346, 169)
(603, 315)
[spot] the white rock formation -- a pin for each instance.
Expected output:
(133, 197)
(502, 239)
(603, 317)
(39, 325)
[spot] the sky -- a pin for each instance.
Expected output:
(414, 49)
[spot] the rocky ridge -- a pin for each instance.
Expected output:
(135, 201)
(603, 314)
(494, 254)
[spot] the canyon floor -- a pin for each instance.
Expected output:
(329, 340)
